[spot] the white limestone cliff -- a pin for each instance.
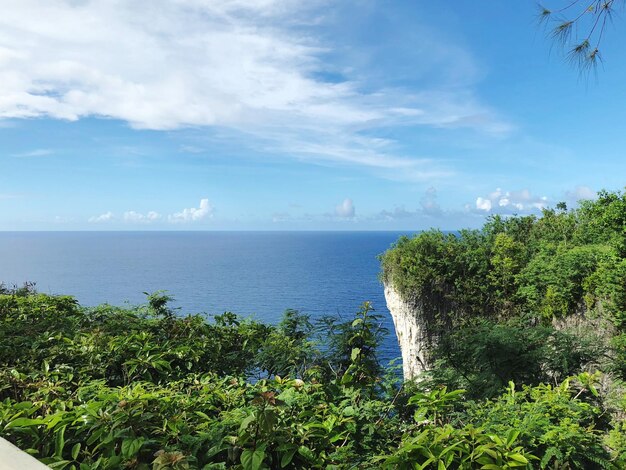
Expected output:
(412, 331)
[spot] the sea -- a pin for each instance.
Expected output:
(253, 274)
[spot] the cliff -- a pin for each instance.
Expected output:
(413, 331)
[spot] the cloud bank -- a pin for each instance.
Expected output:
(132, 216)
(106, 217)
(510, 202)
(251, 66)
(580, 193)
(192, 214)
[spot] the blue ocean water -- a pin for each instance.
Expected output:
(257, 274)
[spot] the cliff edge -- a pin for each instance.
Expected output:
(413, 332)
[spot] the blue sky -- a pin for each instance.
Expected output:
(290, 115)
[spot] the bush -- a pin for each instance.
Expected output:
(483, 356)
(114, 388)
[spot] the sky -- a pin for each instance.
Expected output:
(290, 115)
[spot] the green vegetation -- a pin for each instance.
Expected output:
(141, 388)
(515, 383)
(562, 264)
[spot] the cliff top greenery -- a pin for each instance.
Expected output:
(564, 263)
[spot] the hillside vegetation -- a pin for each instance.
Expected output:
(563, 274)
(150, 388)
(563, 263)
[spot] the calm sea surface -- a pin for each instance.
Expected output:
(250, 273)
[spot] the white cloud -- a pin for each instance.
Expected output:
(580, 193)
(483, 204)
(34, 153)
(137, 217)
(345, 210)
(510, 202)
(243, 65)
(428, 206)
(205, 210)
(397, 214)
(192, 214)
(106, 217)
(429, 203)
(191, 149)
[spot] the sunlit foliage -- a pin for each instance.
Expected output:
(142, 388)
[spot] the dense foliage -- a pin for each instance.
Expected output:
(112, 388)
(566, 269)
(527, 310)
(551, 266)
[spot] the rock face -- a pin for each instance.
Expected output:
(413, 332)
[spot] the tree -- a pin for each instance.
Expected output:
(579, 27)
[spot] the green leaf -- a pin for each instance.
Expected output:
(268, 420)
(306, 453)
(130, 447)
(427, 463)
(355, 353)
(287, 457)
(449, 448)
(95, 436)
(512, 436)
(518, 458)
(246, 422)
(516, 464)
(252, 459)
(59, 441)
(54, 420)
(24, 422)
(203, 415)
(349, 411)
(60, 464)
(75, 450)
